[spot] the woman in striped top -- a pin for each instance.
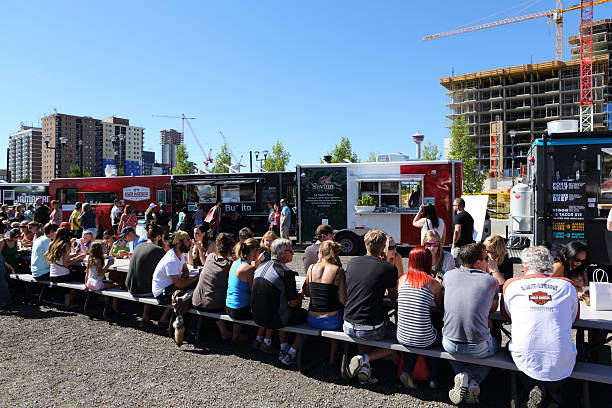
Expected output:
(417, 292)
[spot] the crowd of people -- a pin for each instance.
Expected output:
(442, 300)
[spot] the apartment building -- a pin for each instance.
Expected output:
(170, 139)
(122, 146)
(25, 154)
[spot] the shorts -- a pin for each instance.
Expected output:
(94, 284)
(244, 313)
(284, 232)
(62, 279)
(333, 322)
(165, 298)
(386, 331)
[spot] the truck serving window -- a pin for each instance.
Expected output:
(238, 193)
(405, 195)
(606, 175)
(66, 195)
(107, 197)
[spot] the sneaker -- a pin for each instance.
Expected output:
(407, 382)
(287, 359)
(256, 344)
(355, 365)
(457, 393)
(433, 385)
(472, 393)
(364, 375)
(536, 398)
(268, 349)
(371, 381)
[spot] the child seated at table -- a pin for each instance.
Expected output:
(109, 242)
(94, 278)
(121, 249)
(577, 277)
(84, 244)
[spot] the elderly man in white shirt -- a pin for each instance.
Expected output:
(543, 310)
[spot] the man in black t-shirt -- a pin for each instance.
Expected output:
(145, 258)
(311, 254)
(463, 229)
(41, 214)
(367, 279)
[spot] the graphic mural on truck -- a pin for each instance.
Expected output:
(26, 194)
(323, 199)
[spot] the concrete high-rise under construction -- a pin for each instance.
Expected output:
(517, 102)
(170, 139)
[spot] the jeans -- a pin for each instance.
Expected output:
(385, 332)
(482, 350)
(332, 322)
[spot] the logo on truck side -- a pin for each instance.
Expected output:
(136, 193)
(324, 183)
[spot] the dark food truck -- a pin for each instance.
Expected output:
(244, 197)
(571, 174)
(23, 193)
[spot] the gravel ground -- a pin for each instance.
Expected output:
(54, 358)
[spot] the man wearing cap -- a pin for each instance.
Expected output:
(115, 214)
(133, 239)
(311, 254)
(171, 272)
(285, 220)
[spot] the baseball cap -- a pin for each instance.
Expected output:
(64, 225)
(152, 205)
(15, 224)
(126, 231)
(324, 229)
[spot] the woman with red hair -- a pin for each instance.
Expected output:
(417, 290)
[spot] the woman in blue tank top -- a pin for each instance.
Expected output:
(239, 285)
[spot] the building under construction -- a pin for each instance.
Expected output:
(519, 101)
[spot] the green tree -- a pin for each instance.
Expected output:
(182, 165)
(75, 171)
(431, 152)
(372, 157)
(278, 158)
(462, 148)
(221, 159)
(343, 151)
(120, 171)
(23, 180)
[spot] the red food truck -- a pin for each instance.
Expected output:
(101, 192)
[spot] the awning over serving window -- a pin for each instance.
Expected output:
(217, 182)
(404, 177)
(241, 181)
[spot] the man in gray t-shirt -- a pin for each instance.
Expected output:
(470, 296)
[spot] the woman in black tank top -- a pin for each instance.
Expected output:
(325, 284)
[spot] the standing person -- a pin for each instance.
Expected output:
(144, 260)
(198, 216)
(115, 215)
(500, 266)
(163, 218)
(470, 296)
(275, 225)
(368, 277)
(275, 302)
(39, 265)
(150, 216)
(213, 218)
(285, 219)
(442, 261)
(323, 233)
(41, 215)
(211, 290)
(541, 345)
(29, 214)
(128, 218)
(417, 290)
(56, 214)
(89, 220)
(325, 284)
(181, 224)
(270, 214)
(427, 219)
(463, 229)
(19, 214)
(75, 224)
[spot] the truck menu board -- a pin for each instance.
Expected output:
(322, 199)
(569, 205)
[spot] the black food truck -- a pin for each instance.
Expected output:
(571, 177)
(244, 197)
(23, 193)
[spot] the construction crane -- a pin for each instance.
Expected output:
(586, 47)
(207, 158)
(234, 168)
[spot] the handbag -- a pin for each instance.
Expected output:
(601, 292)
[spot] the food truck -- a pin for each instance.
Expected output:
(328, 193)
(23, 193)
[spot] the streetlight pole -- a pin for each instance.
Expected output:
(265, 157)
(81, 157)
(63, 142)
(512, 136)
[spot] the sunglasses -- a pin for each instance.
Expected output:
(580, 261)
(23, 226)
(432, 244)
(122, 240)
(392, 247)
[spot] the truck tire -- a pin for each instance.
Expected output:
(349, 244)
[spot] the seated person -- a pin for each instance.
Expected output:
(266, 242)
(60, 257)
(577, 278)
(573, 256)
(142, 265)
(121, 249)
(9, 248)
(442, 261)
(417, 291)
(109, 242)
(325, 284)
(35, 227)
(210, 292)
(202, 247)
(133, 239)
(27, 237)
(275, 301)
(393, 257)
(542, 344)
(324, 232)
(82, 245)
(368, 277)
(239, 286)
(94, 278)
(470, 296)
(38, 264)
(500, 265)
(244, 234)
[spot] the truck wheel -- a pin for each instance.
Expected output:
(349, 244)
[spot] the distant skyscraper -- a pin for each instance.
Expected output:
(122, 145)
(25, 161)
(148, 162)
(169, 140)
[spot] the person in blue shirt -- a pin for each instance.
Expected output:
(129, 233)
(39, 265)
(285, 220)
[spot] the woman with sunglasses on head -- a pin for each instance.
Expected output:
(427, 220)
(393, 257)
(442, 261)
(500, 266)
(571, 257)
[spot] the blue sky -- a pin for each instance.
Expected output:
(303, 72)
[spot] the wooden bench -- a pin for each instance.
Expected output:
(502, 359)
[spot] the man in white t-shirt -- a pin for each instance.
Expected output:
(171, 272)
(115, 215)
(543, 310)
(609, 223)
